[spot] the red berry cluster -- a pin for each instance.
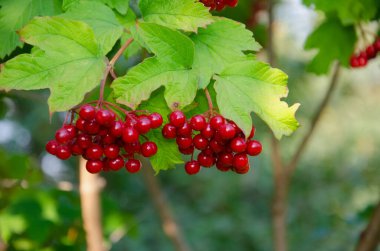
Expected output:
(219, 4)
(106, 141)
(361, 59)
(220, 141)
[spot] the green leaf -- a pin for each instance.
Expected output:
(101, 19)
(187, 15)
(121, 6)
(68, 62)
(252, 86)
(334, 42)
(14, 14)
(170, 68)
(168, 154)
(218, 45)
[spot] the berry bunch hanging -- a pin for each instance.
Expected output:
(105, 140)
(219, 5)
(361, 59)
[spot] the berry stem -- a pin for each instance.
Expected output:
(209, 100)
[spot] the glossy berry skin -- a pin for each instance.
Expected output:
(116, 128)
(217, 121)
(84, 141)
(116, 163)
(94, 152)
(71, 130)
(205, 160)
(79, 124)
(133, 165)
(130, 135)
(227, 131)
(242, 170)
(192, 167)
(76, 150)
(222, 167)
(238, 145)
(185, 130)
(187, 151)
(63, 152)
(169, 131)
(94, 166)
(208, 132)
(184, 142)
(371, 52)
(155, 120)
(105, 117)
(226, 159)
(216, 146)
(111, 151)
(198, 122)
(177, 118)
(200, 142)
(87, 112)
(240, 161)
(91, 127)
(131, 148)
(143, 124)
(51, 147)
(231, 3)
(148, 149)
(254, 147)
(63, 136)
(354, 62)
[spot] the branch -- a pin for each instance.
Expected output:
(89, 189)
(370, 237)
(169, 224)
(322, 107)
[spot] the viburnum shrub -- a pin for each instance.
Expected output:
(189, 84)
(361, 58)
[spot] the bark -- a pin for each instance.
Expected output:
(370, 237)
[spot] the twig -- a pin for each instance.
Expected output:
(89, 189)
(209, 100)
(169, 224)
(370, 237)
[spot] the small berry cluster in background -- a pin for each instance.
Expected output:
(219, 4)
(220, 142)
(105, 140)
(361, 59)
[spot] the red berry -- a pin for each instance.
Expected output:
(108, 139)
(72, 130)
(169, 131)
(200, 142)
(51, 147)
(111, 151)
(216, 122)
(177, 118)
(231, 3)
(198, 122)
(84, 141)
(376, 44)
(130, 135)
(205, 159)
(63, 136)
(226, 158)
(63, 152)
(91, 127)
(116, 128)
(254, 147)
(94, 152)
(371, 51)
(131, 148)
(362, 61)
(216, 146)
(222, 167)
(87, 112)
(184, 142)
(354, 61)
(94, 166)
(105, 117)
(192, 167)
(238, 145)
(76, 150)
(80, 124)
(148, 149)
(185, 130)
(155, 120)
(240, 161)
(116, 163)
(242, 170)
(143, 124)
(227, 131)
(208, 132)
(133, 165)
(187, 151)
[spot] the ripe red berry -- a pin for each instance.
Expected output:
(94, 152)
(169, 131)
(362, 61)
(208, 132)
(227, 131)
(155, 120)
(80, 124)
(87, 112)
(240, 161)
(71, 130)
(238, 145)
(222, 167)
(111, 151)
(216, 146)
(216, 122)
(108, 139)
(226, 158)
(198, 122)
(242, 170)
(76, 149)
(184, 142)
(192, 167)
(116, 128)
(133, 165)
(205, 159)
(84, 140)
(143, 124)
(105, 117)
(254, 147)
(187, 151)
(185, 130)
(63, 152)
(231, 3)
(371, 51)
(177, 118)
(91, 127)
(62, 136)
(130, 135)
(200, 142)
(131, 148)
(148, 149)
(94, 166)
(116, 163)
(376, 44)
(51, 147)
(354, 61)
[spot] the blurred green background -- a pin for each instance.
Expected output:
(332, 194)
